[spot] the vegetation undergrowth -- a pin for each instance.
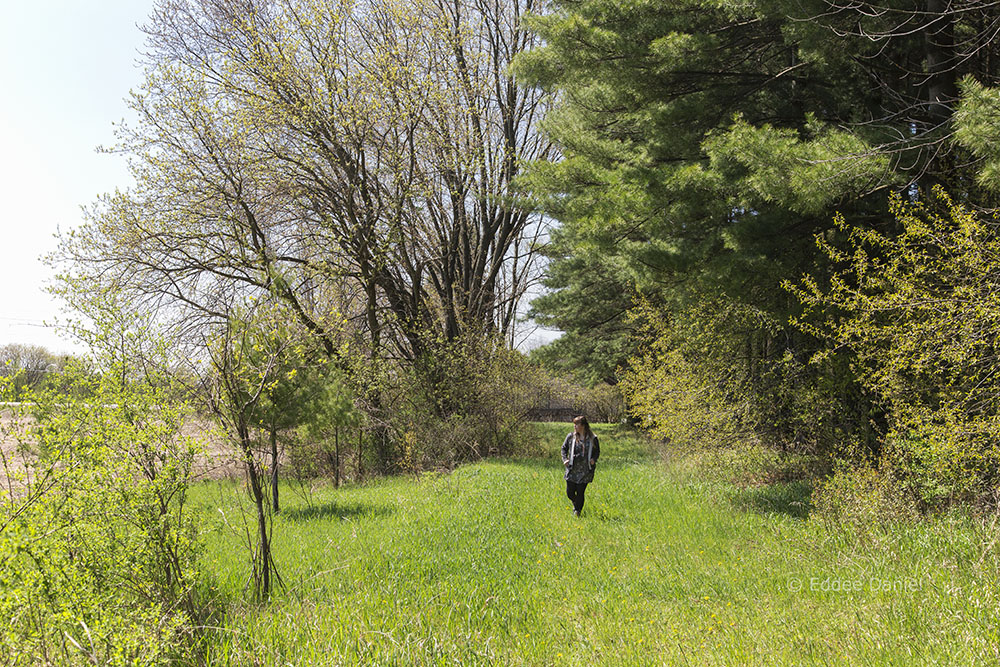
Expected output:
(675, 562)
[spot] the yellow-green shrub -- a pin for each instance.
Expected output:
(919, 311)
(97, 549)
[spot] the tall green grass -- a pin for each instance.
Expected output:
(669, 564)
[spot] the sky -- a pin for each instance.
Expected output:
(66, 67)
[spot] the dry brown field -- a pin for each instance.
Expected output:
(217, 458)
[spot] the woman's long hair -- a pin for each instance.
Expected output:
(587, 433)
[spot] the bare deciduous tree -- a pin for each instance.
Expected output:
(354, 159)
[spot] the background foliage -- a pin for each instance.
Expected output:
(706, 146)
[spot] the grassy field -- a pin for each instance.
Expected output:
(669, 564)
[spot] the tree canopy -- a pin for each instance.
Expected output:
(355, 160)
(706, 146)
(706, 142)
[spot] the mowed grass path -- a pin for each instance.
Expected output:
(487, 565)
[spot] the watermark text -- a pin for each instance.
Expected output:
(845, 585)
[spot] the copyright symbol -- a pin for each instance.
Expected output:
(795, 584)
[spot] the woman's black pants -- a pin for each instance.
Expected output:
(575, 493)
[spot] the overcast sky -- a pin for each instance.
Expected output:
(65, 68)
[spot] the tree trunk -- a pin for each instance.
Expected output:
(262, 568)
(274, 467)
(336, 449)
(264, 549)
(939, 44)
(360, 467)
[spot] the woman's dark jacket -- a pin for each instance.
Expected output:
(579, 470)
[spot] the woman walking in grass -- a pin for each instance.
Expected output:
(580, 451)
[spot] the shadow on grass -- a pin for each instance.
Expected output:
(607, 516)
(790, 498)
(335, 510)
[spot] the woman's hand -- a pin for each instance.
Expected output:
(592, 463)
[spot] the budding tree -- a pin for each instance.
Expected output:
(356, 160)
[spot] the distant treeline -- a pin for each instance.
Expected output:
(29, 366)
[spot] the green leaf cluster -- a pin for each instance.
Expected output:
(97, 547)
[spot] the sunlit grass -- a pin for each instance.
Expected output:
(488, 565)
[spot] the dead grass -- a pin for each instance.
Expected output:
(217, 458)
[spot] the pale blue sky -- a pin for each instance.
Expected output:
(65, 68)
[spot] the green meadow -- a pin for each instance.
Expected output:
(672, 562)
